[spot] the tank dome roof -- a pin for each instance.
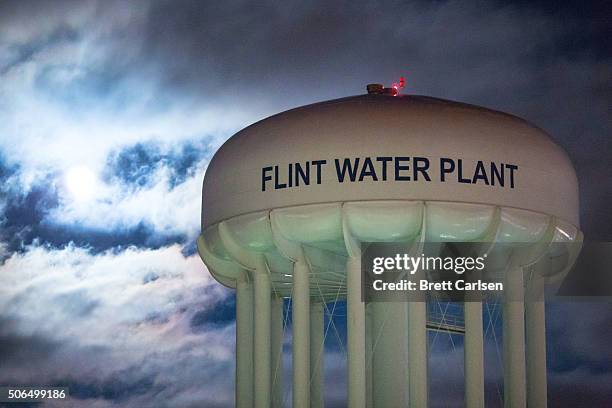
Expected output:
(378, 147)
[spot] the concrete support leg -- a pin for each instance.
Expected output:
(514, 341)
(389, 354)
(262, 350)
(244, 343)
(535, 323)
(316, 354)
(368, 354)
(277, 352)
(301, 335)
(417, 352)
(473, 355)
(356, 336)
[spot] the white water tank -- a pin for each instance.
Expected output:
(287, 201)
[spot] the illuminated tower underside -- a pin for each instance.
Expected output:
(311, 254)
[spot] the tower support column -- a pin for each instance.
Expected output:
(262, 350)
(535, 322)
(473, 350)
(389, 354)
(301, 335)
(417, 353)
(316, 354)
(514, 340)
(244, 342)
(368, 355)
(356, 335)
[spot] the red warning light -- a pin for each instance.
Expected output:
(393, 90)
(395, 87)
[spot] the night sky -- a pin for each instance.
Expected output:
(110, 112)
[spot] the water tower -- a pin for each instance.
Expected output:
(288, 200)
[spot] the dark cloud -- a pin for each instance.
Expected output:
(26, 51)
(137, 166)
(25, 213)
(120, 386)
(155, 372)
(30, 208)
(20, 349)
(141, 235)
(26, 223)
(546, 62)
(578, 334)
(221, 314)
(541, 60)
(579, 390)
(6, 171)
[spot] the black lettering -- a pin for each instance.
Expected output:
(460, 178)
(265, 177)
(301, 174)
(421, 165)
(399, 167)
(497, 174)
(480, 173)
(346, 166)
(384, 160)
(368, 170)
(444, 169)
(512, 167)
(278, 185)
(318, 164)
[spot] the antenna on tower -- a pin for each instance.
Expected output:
(393, 90)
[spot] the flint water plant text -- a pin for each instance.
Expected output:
(388, 168)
